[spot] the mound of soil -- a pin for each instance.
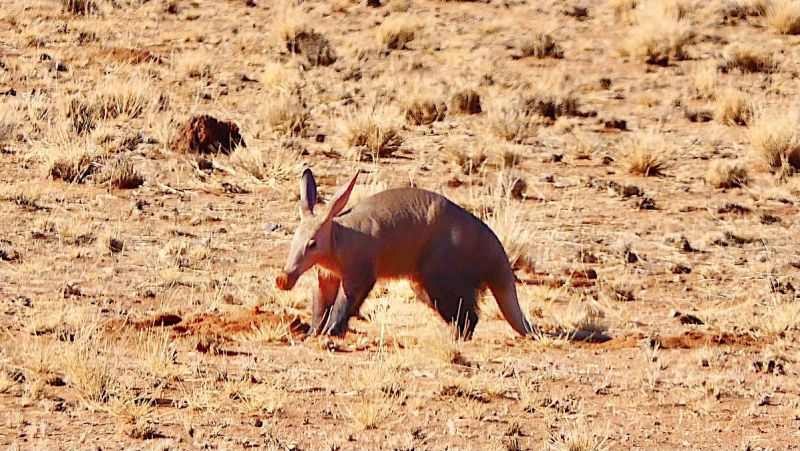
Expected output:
(206, 135)
(229, 326)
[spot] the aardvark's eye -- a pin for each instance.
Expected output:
(312, 244)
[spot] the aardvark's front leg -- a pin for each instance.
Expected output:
(347, 303)
(324, 299)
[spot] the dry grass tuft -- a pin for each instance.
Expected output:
(784, 16)
(623, 10)
(732, 107)
(397, 32)
(83, 7)
(643, 154)
(372, 134)
(68, 159)
(88, 369)
(196, 64)
(286, 113)
(121, 173)
(271, 165)
(540, 45)
(727, 174)
(577, 436)
(657, 39)
(372, 411)
(511, 119)
(424, 110)
(704, 81)
(749, 58)
(775, 137)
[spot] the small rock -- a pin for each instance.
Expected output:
(374, 3)
(518, 189)
(271, 227)
(616, 124)
(8, 253)
(680, 269)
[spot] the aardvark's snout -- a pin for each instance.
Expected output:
(286, 281)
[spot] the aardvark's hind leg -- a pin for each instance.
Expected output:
(454, 297)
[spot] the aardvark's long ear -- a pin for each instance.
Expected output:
(308, 193)
(339, 200)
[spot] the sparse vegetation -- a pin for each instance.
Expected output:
(637, 160)
(775, 137)
(644, 154)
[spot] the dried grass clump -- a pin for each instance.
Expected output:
(10, 119)
(286, 113)
(643, 154)
(372, 134)
(704, 81)
(541, 45)
(424, 110)
(122, 174)
(89, 370)
(195, 64)
(727, 174)
(396, 33)
(749, 58)
(657, 39)
(274, 164)
(512, 120)
(775, 137)
(733, 107)
(83, 7)
(784, 16)
(70, 160)
(115, 98)
(623, 10)
(741, 9)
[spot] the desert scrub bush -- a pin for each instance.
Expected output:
(642, 154)
(373, 133)
(511, 119)
(195, 64)
(732, 107)
(79, 6)
(741, 9)
(423, 110)
(276, 163)
(277, 76)
(657, 39)
(552, 99)
(129, 97)
(623, 10)
(286, 113)
(749, 58)
(396, 32)
(69, 159)
(727, 174)
(540, 45)
(703, 81)
(88, 369)
(784, 16)
(120, 173)
(775, 137)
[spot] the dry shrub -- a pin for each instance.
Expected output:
(511, 119)
(749, 58)
(784, 16)
(195, 64)
(465, 101)
(277, 76)
(313, 47)
(775, 137)
(733, 107)
(703, 81)
(541, 45)
(552, 101)
(741, 9)
(79, 6)
(286, 113)
(115, 98)
(89, 370)
(727, 174)
(121, 173)
(372, 134)
(275, 163)
(657, 39)
(396, 33)
(422, 110)
(68, 159)
(623, 10)
(10, 119)
(643, 154)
